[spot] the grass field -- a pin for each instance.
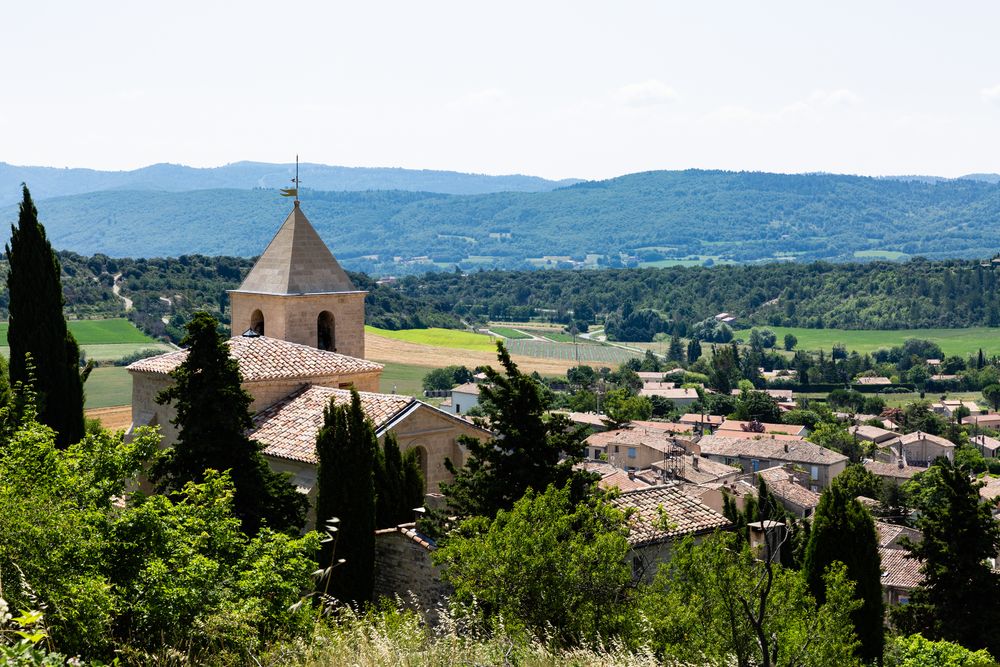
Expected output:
(98, 332)
(961, 342)
(510, 334)
(461, 340)
(881, 254)
(403, 378)
(107, 386)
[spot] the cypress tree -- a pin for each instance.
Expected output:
(843, 530)
(693, 350)
(399, 484)
(345, 452)
(213, 415)
(38, 327)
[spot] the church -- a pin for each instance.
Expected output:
(298, 334)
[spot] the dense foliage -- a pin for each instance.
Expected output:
(529, 451)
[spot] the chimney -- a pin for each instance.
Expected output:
(786, 447)
(900, 462)
(694, 461)
(631, 474)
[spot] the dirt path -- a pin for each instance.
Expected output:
(378, 348)
(117, 289)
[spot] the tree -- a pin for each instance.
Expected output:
(549, 563)
(717, 603)
(399, 484)
(916, 651)
(676, 350)
(38, 327)
(837, 438)
(991, 393)
(843, 531)
(693, 350)
(528, 451)
(757, 405)
(790, 342)
(762, 338)
(213, 415)
(345, 483)
(959, 599)
(621, 407)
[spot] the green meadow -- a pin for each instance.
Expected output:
(108, 386)
(98, 332)
(454, 338)
(961, 342)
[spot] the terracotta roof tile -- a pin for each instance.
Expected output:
(780, 483)
(263, 358)
(767, 448)
(884, 469)
(898, 571)
(685, 514)
(288, 428)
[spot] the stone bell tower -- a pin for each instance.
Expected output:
(297, 292)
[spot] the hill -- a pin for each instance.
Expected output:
(52, 182)
(653, 218)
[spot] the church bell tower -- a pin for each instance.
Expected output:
(298, 292)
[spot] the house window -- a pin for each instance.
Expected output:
(632, 452)
(814, 472)
(617, 449)
(597, 453)
(755, 464)
(458, 409)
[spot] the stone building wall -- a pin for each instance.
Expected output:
(294, 317)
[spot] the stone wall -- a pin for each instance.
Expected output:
(403, 568)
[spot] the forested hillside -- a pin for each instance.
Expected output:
(694, 216)
(52, 182)
(874, 295)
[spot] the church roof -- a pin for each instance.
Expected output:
(288, 428)
(296, 261)
(263, 358)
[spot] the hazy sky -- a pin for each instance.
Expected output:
(557, 89)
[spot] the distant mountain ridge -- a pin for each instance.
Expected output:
(646, 219)
(47, 182)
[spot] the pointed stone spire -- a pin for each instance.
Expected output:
(296, 261)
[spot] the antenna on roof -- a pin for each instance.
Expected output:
(293, 192)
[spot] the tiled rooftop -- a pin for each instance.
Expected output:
(288, 428)
(766, 448)
(263, 358)
(781, 484)
(883, 469)
(685, 514)
(917, 436)
(898, 571)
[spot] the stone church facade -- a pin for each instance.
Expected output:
(298, 336)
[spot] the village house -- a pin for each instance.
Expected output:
(739, 429)
(463, 398)
(660, 515)
(900, 575)
(681, 397)
(706, 423)
(878, 437)
(895, 472)
(987, 446)
(949, 408)
(990, 420)
(298, 325)
(790, 486)
(920, 449)
(633, 448)
(753, 454)
(872, 381)
(694, 469)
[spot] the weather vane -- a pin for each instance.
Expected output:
(293, 192)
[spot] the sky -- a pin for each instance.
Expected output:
(555, 89)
